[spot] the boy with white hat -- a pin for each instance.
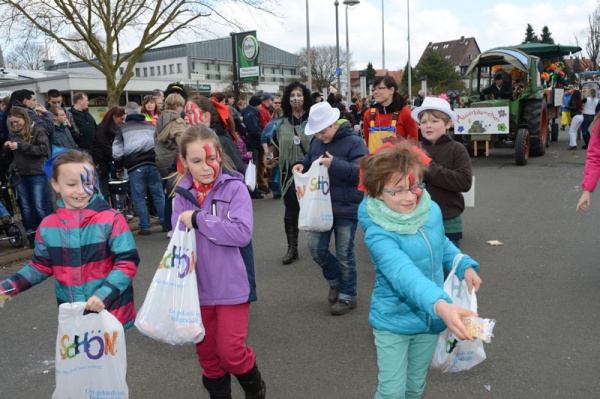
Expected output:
(338, 148)
(449, 173)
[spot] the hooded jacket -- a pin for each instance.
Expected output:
(408, 274)
(225, 263)
(449, 175)
(29, 158)
(89, 251)
(253, 130)
(134, 144)
(347, 148)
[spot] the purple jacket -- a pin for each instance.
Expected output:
(225, 263)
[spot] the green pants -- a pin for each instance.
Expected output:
(403, 362)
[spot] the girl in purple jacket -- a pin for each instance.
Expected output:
(212, 199)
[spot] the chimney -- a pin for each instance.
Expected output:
(462, 39)
(430, 44)
(48, 64)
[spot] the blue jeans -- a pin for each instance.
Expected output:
(339, 270)
(33, 199)
(140, 179)
(3, 210)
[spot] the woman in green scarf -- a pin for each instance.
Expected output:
(404, 233)
(291, 145)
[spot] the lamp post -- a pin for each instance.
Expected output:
(337, 45)
(308, 61)
(408, 39)
(382, 41)
(349, 85)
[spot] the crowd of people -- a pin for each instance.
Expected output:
(180, 154)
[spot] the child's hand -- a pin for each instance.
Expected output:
(326, 159)
(584, 202)
(298, 168)
(472, 279)
(452, 314)
(94, 304)
(186, 219)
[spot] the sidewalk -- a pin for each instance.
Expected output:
(10, 256)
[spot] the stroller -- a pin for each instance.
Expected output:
(13, 231)
(119, 196)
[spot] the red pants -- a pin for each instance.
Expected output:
(223, 349)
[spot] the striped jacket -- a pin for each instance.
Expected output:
(89, 251)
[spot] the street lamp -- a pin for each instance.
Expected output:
(408, 40)
(349, 88)
(308, 61)
(337, 45)
(382, 41)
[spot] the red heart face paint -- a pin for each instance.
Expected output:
(193, 113)
(211, 151)
(412, 183)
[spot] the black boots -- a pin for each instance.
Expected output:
(291, 231)
(218, 388)
(253, 385)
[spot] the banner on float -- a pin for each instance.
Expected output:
(486, 120)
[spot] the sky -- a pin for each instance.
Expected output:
(491, 23)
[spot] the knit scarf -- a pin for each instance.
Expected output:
(401, 223)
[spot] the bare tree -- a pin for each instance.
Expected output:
(323, 64)
(80, 46)
(592, 46)
(137, 24)
(31, 55)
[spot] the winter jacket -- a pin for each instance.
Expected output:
(87, 128)
(347, 148)
(229, 146)
(102, 144)
(448, 175)
(253, 129)
(134, 144)
(573, 108)
(264, 116)
(406, 126)
(29, 158)
(225, 264)
(591, 173)
(408, 274)
(169, 128)
(62, 137)
(89, 251)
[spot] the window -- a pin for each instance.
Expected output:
(137, 72)
(158, 70)
(145, 72)
(447, 57)
(179, 68)
(171, 69)
(445, 46)
(164, 69)
(435, 47)
(121, 71)
(151, 71)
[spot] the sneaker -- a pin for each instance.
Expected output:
(144, 232)
(342, 307)
(128, 217)
(31, 239)
(264, 190)
(332, 297)
(6, 220)
(562, 128)
(256, 195)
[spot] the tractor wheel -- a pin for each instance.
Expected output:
(535, 115)
(522, 147)
(554, 131)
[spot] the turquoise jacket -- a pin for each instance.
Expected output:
(409, 276)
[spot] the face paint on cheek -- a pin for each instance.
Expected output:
(411, 183)
(296, 102)
(87, 180)
(216, 164)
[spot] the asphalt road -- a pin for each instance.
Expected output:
(541, 286)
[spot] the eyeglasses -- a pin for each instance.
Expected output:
(380, 88)
(403, 192)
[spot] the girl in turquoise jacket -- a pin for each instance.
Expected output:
(405, 237)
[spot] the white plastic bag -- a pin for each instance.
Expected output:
(452, 355)
(313, 192)
(250, 176)
(91, 359)
(171, 309)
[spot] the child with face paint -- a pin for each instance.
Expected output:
(212, 199)
(103, 273)
(405, 237)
